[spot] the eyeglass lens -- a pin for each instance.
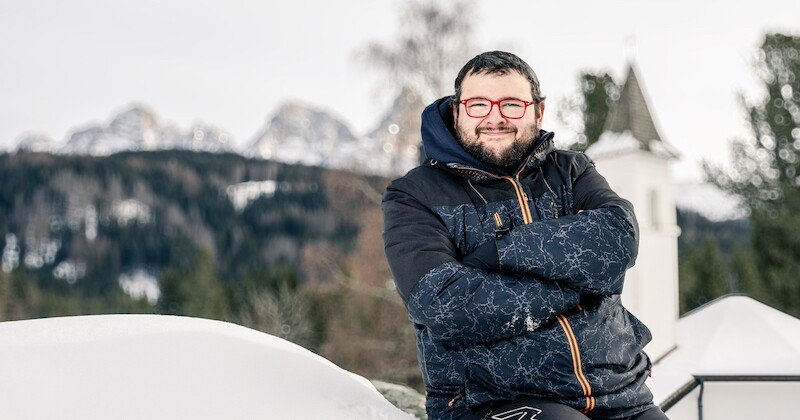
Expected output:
(509, 108)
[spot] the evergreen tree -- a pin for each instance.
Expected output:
(702, 274)
(194, 290)
(765, 171)
(748, 280)
(586, 112)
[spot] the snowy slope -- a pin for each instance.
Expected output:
(155, 366)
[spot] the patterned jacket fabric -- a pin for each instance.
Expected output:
(512, 280)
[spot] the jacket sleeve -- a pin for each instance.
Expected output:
(454, 302)
(589, 251)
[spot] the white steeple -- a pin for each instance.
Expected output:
(633, 157)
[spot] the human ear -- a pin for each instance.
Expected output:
(539, 113)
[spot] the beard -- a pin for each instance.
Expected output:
(506, 158)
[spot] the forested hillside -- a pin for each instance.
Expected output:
(291, 250)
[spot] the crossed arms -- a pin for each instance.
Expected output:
(515, 284)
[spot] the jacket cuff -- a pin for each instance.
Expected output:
(484, 257)
(508, 259)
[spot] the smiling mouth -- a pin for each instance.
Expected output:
(495, 133)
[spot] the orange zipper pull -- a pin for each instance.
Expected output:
(498, 220)
(452, 402)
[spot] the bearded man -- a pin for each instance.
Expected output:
(510, 257)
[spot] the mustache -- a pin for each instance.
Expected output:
(479, 130)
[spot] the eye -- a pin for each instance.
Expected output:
(512, 104)
(477, 104)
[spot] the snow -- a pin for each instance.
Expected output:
(131, 210)
(612, 144)
(41, 251)
(35, 142)
(70, 271)
(10, 259)
(138, 128)
(709, 201)
(156, 366)
(245, 192)
(731, 336)
(663, 149)
(140, 283)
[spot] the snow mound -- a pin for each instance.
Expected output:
(156, 366)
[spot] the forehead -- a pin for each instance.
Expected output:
(496, 86)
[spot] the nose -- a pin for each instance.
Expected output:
(495, 117)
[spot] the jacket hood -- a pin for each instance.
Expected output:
(440, 144)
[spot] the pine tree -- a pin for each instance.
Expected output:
(194, 290)
(703, 275)
(765, 171)
(586, 112)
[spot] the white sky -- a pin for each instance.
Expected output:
(229, 63)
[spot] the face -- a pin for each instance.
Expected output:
(494, 139)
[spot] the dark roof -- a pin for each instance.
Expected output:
(631, 113)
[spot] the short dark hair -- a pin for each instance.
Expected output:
(498, 62)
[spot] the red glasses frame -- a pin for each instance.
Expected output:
(493, 103)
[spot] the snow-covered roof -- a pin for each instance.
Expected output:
(155, 366)
(630, 125)
(615, 144)
(733, 336)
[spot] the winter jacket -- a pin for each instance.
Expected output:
(513, 281)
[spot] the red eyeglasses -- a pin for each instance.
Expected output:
(509, 108)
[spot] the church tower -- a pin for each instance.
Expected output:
(635, 160)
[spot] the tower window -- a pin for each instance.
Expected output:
(653, 200)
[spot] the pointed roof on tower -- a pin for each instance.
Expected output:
(631, 113)
(630, 124)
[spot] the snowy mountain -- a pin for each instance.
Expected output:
(297, 133)
(395, 141)
(305, 134)
(35, 142)
(709, 201)
(309, 135)
(136, 128)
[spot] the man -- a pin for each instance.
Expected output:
(510, 257)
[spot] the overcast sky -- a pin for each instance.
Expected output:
(228, 63)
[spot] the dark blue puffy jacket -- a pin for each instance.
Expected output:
(513, 281)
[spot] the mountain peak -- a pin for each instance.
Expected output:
(137, 127)
(35, 142)
(298, 132)
(135, 113)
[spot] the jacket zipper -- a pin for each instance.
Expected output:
(576, 364)
(575, 352)
(562, 320)
(515, 183)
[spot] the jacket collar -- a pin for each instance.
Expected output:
(440, 145)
